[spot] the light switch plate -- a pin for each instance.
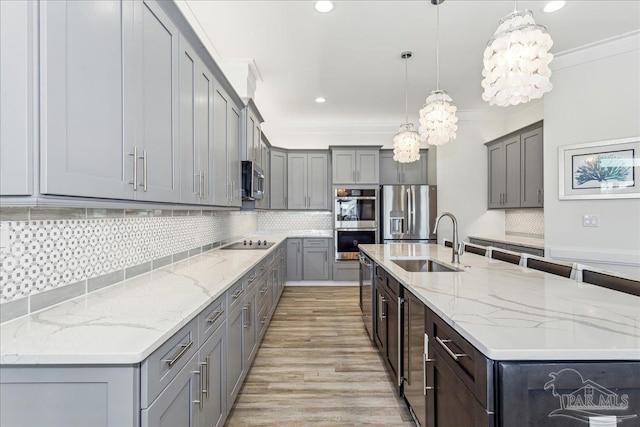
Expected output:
(590, 220)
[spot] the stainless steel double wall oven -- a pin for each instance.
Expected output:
(356, 220)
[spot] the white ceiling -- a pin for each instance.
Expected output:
(351, 56)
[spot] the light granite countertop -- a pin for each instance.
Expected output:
(126, 322)
(509, 239)
(510, 312)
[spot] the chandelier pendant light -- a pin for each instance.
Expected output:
(406, 143)
(438, 120)
(516, 61)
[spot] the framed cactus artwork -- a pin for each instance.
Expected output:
(600, 170)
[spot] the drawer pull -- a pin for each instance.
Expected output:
(456, 356)
(185, 348)
(252, 278)
(237, 293)
(264, 290)
(215, 316)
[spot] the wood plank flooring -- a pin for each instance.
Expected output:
(317, 367)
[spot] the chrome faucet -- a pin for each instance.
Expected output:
(457, 248)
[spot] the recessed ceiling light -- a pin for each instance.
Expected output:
(321, 100)
(552, 6)
(324, 6)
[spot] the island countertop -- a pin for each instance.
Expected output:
(510, 312)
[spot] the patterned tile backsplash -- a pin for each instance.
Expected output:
(50, 249)
(310, 220)
(524, 222)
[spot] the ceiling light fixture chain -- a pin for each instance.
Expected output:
(438, 120)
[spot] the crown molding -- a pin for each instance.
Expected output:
(623, 43)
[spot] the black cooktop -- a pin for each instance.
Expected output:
(249, 244)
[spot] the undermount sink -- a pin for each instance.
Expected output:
(422, 266)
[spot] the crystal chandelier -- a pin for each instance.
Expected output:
(406, 143)
(516, 61)
(438, 121)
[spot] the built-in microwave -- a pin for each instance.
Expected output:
(355, 208)
(252, 181)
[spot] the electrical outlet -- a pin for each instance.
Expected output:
(590, 220)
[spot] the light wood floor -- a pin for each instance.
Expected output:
(317, 367)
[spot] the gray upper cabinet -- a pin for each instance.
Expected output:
(264, 203)
(16, 102)
(226, 154)
(120, 142)
(278, 179)
(307, 183)
(157, 128)
(532, 169)
(353, 166)
(515, 169)
(394, 173)
(196, 137)
(233, 155)
(251, 135)
(87, 127)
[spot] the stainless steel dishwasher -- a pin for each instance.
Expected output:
(366, 292)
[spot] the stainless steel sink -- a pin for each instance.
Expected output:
(422, 266)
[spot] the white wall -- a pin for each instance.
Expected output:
(596, 96)
(462, 177)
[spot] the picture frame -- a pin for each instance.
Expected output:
(600, 170)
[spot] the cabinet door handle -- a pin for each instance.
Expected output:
(215, 316)
(204, 184)
(144, 170)
(135, 168)
(264, 290)
(245, 315)
(207, 379)
(199, 372)
(456, 356)
(185, 348)
(204, 368)
(263, 320)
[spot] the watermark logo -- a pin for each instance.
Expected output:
(588, 400)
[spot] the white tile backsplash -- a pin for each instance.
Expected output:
(295, 220)
(47, 254)
(524, 222)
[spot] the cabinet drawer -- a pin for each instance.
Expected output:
(316, 243)
(263, 290)
(212, 317)
(235, 293)
(163, 364)
(263, 320)
(471, 366)
(393, 286)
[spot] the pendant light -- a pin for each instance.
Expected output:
(516, 61)
(438, 121)
(406, 143)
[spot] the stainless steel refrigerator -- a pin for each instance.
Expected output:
(408, 213)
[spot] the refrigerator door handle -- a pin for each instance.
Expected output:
(409, 209)
(413, 211)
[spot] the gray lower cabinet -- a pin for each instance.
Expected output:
(100, 396)
(294, 259)
(250, 325)
(278, 179)
(316, 259)
(17, 79)
(395, 173)
(178, 403)
(213, 355)
(235, 351)
(307, 181)
(515, 165)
